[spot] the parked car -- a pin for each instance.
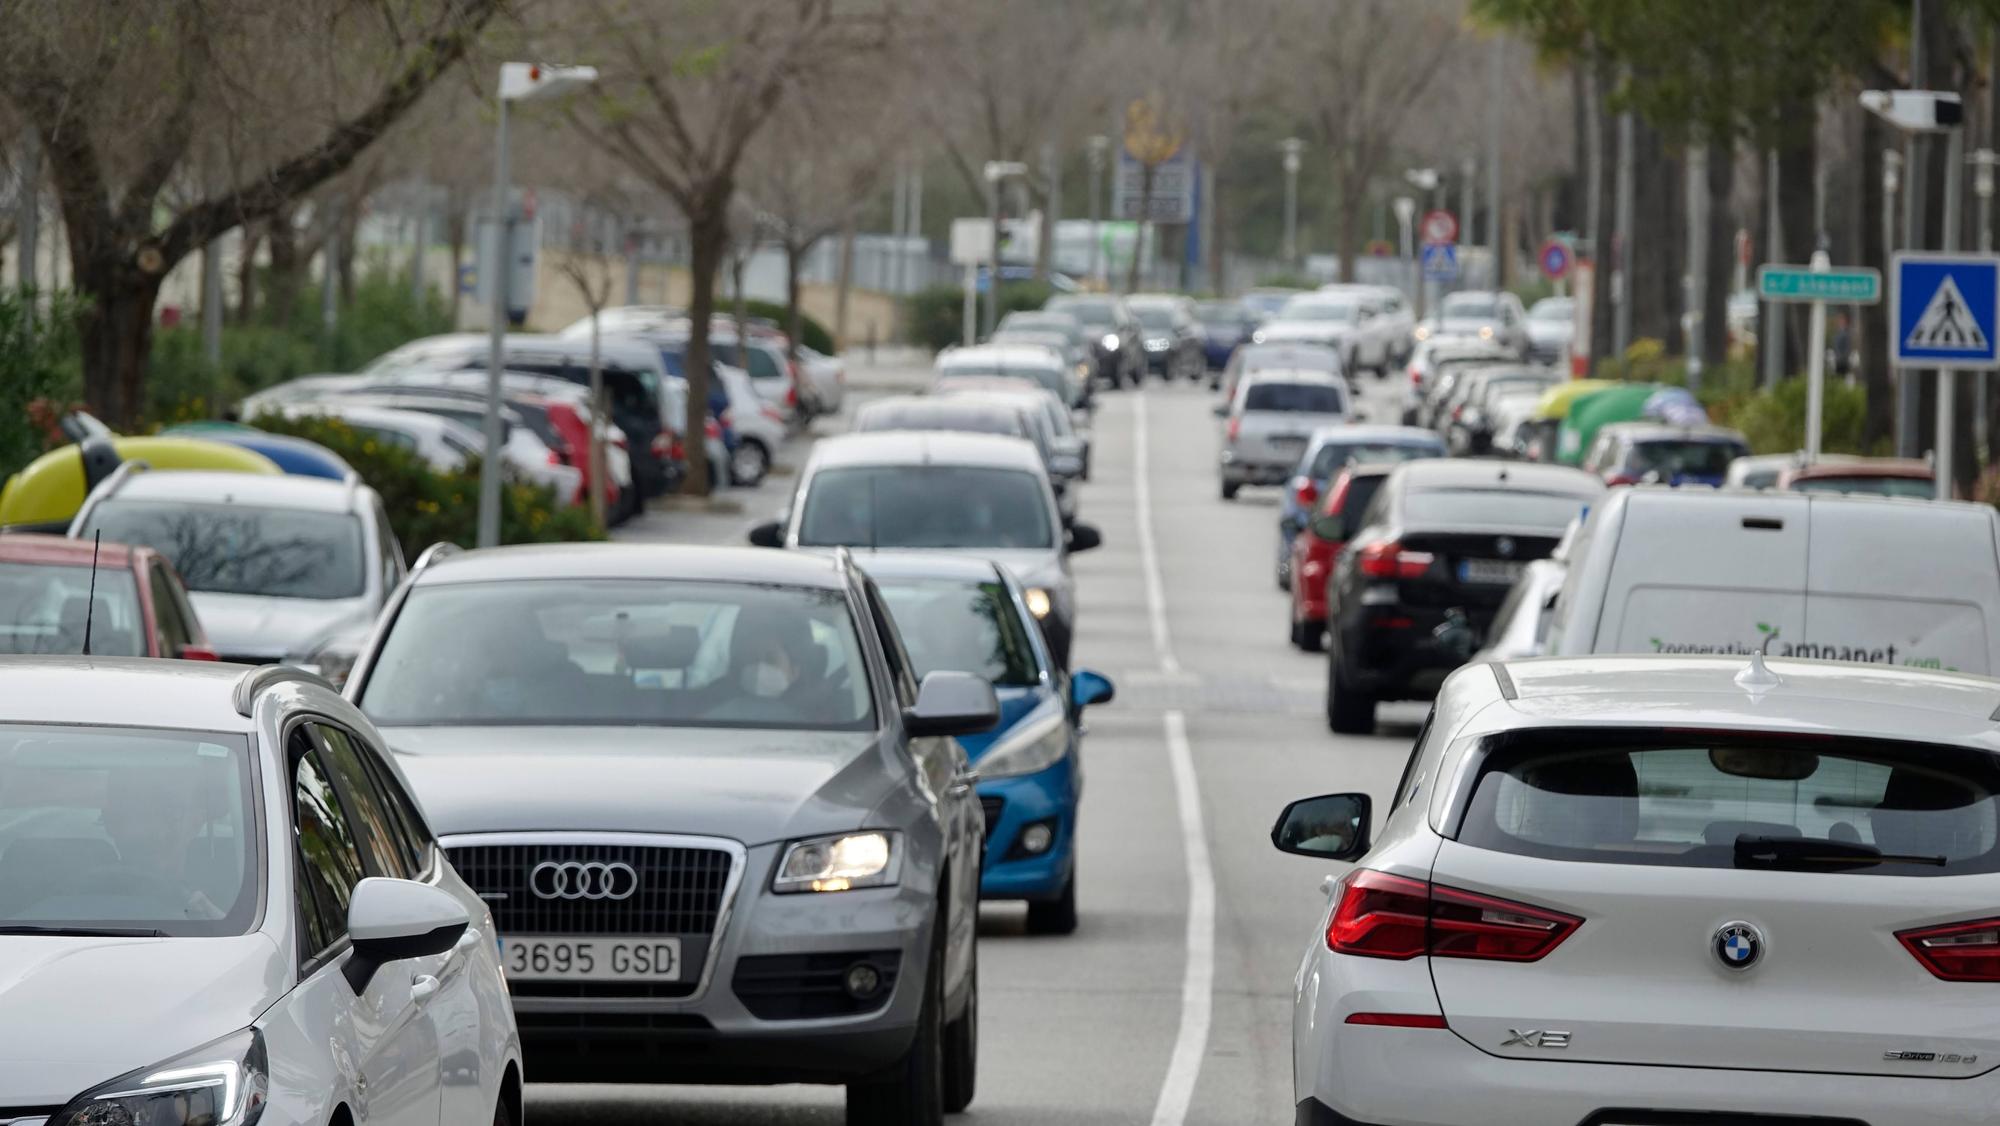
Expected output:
(1521, 625)
(706, 787)
(972, 616)
(1328, 451)
(827, 376)
(1492, 315)
(1681, 833)
(1628, 453)
(1469, 414)
(270, 563)
(225, 908)
(986, 497)
(1272, 417)
(1388, 316)
(1265, 301)
(1120, 357)
(45, 494)
(1435, 554)
(1082, 341)
(1551, 323)
(761, 429)
(1037, 365)
(289, 454)
(448, 432)
(1222, 326)
(59, 595)
(1430, 358)
(1062, 452)
(1255, 357)
(1875, 476)
(1169, 334)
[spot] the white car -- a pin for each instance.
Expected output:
(1352, 323)
(1393, 317)
(1663, 890)
(220, 906)
(761, 429)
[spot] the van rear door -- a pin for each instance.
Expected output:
(1695, 573)
(1900, 582)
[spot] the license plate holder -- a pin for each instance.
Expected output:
(630, 958)
(1493, 572)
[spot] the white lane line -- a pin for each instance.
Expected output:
(1149, 554)
(1198, 981)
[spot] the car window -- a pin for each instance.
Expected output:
(763, 364)
(944, 506)
(1700, 802)
(1303, 398)
(1922, 488)
(375, 830)
(902, 671)
(43, 609)
(329, 864)
(963, 627)
(1675, 457)
(391, 548)
(171, 630)
(622, 652)
(243, 549)
(412, 834)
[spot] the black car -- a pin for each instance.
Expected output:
(1115, 347)
(1170, 335)
(1435, 553)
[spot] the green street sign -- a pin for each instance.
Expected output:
(1842, 285)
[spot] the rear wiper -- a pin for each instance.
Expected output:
(1775, 852)
(84, 932)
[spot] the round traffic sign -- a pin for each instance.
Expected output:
(1440, 226)
(1555, 259)
(1380, 248)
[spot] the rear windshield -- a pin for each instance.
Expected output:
(1676, 457)
(1919, 487)
(1509, 508)
(1333, 455)
(1154, 316)
(938, 416)
(44, 608)
(943, 506)
(1694, 800)
(1305, 398)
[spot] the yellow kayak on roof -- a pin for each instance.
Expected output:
(1556, 400)
(47, 493)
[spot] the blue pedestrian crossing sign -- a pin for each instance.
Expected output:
(1945, 311)
(1441, 261)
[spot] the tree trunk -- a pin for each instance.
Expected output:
(116, 330)
(1570, 211)
(708, 238)
(345, 249)
(739, 304)
(1353, 202)
(286, 274)
(1721, 235)
(794, 316)
(844, 283)
(1145, 210)
(1659, 222)
(1878, 425)
(1218, 242)
(455, 236)
(1604, 206)
(1798, 168)
(246, 274)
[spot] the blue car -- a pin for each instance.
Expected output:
(970, 615)
(1331, 448)
(295, 456)
(1223, 325)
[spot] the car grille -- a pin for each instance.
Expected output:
(679, 890)
(992, 808)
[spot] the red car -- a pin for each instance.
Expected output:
(1320, 542)
(142, 610)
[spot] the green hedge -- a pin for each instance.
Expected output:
(38, 375)
(427, 507)
(935, 317)
(815, 334)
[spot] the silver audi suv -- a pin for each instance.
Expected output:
(726, 834)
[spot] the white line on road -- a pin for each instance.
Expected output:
(1149, 555)
(1198, 981)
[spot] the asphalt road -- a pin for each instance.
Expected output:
(1171, 1003)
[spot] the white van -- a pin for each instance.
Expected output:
(1844, 578)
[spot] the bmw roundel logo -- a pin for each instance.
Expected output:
(1504, 545)
(1738, 946)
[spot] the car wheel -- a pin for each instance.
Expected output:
(1309, 635)
(1055, 916)
(1347, 712)
(1229, 490)
(501, 1115)
(961, 1048)
(1285, 571)
(910, 1092)
(749, 463)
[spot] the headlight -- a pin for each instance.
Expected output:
(1036, 743)
(225, 1083)
(1422, 332)
(1485, 332)
(1110, 340)
(1039, 602)
(839, 863)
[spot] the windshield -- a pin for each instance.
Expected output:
(1087, 312)
(1304, 398)
(1677, 458)
(1155, 317)
(1506, 508)
(1295, 357)
(939, 416)
(1320, 309)
(1048, 379)
(126, 830)
(1553, 309)
(941, 506)
(1469, 306)
(239, 549)
(43, 608)
(1923, 488)
(623, 652)
(1333, 455)
(963, 627)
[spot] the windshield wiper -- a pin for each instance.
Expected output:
(84, 932)
(1778, 852)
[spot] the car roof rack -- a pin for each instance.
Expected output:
(251, 683)
(443, 549)
(1506, 682)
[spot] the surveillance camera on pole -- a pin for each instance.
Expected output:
(1916, 111)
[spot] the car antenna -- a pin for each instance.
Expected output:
(90, 607)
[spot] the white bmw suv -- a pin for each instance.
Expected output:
(1630, 890)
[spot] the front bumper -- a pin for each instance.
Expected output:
(1048, 796)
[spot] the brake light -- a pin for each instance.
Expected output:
(199, 653)
(1416, 376)
(791, 396)
(1305, 491)
(675, 451)
(555, 458)
(1397, 1020)
(1616, 479)
(1385, 916)
(1957, 951)
(1386, 559)
(1235, 427)
(661, 445)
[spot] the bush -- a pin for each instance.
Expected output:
(813, 334)
(426, 506)
(38, 375)
(935, 317)
(1775, 421)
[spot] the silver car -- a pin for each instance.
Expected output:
(1271, 419)
(726, 832)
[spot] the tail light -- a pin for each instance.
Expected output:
(1235, 427)
(791, 396)
(1384, 916)
(199, 653)
(1386, 559)
(662, 445)
(774, 416)
(1957, 951)
(556, 458)
(675, 451)
(713, 429)
(1416, 376)
(1304, 491)
(1616, 479)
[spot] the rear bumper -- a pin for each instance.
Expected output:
(1391, 651)
(1241, 469)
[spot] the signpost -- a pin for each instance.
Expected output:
(1441, 261)
(1945, 314)
(1818, 284)
(1439, 226)
(1555, 261)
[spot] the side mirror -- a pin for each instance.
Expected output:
(952, 703)
(1066, 465)
(1087, 688)
(771, 533)
(1083, 537)
(1331, 827)
(391, 920)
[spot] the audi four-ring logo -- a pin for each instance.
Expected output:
(581, 879)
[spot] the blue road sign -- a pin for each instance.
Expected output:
(1441, 261)
(1945, 311)
(1555, 259)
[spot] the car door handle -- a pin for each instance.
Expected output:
(962, 782)
(422, 987)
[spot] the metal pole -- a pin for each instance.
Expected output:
(30, 211)
(1947, 389)
(1696, 293)
(1621, 284)
(1982, 186)
(1052, 214)
(1771, 333)
(1495, 228)
(1816, 364)
(1292, 148)
(971, 333)
(496, 333)
(632, 236)
(1909, 397)
(211, 303)
(1468, 203)
(899, 208)
(916, 211)
(993, 270)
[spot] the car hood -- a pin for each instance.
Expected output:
(253, 625)
(750, 786)
(1015, 703)
(87, 1010)
(1550, 330)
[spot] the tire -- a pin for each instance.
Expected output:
(1229, 490)
(1055, 916)
(501, 1116)
(1347, 712)
(961, 1048)
(750, 462)
(1309, 635)
(910, 1092)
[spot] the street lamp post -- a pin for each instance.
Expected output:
(1406, 215)
(1291, 147)
(1982, 162)
(1424, 180)
(519, 82)
(996, 172)
(1100, 147)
